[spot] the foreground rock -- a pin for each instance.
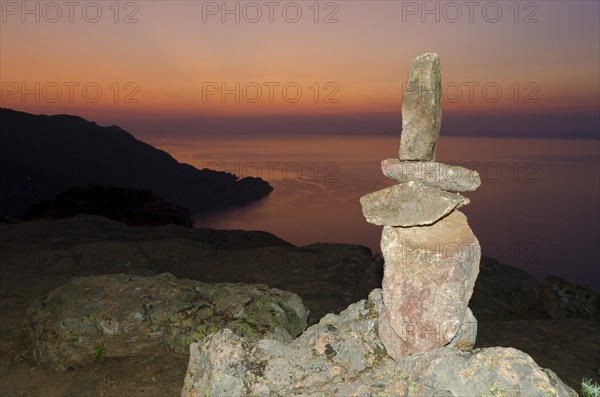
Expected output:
(342, 356)
(123, 315)
(328, 277)
(36, 257)
(134, 207)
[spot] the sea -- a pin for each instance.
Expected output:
(537, 208)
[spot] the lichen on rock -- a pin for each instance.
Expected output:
(343, 356)
(130, 315)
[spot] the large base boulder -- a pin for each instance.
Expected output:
(428, 280)
(124, 315)
(342, 356)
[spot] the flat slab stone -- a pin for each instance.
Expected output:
(421, 110)
(428, 280)
(452, 178)
(409, 204)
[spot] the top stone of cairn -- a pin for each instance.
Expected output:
(421, 111)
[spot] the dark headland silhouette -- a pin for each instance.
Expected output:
(42, 156)
(134, 207)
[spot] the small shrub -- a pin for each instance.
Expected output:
(99, 351)
(589, 388)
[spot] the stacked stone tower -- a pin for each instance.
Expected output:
(431, 254)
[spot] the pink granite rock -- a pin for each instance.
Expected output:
(428, 281)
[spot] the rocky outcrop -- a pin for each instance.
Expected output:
(562, 300)
(431, 255)
(570, 347)
(414, 337)
(40, 256)
(328, 277)
(124, 315)
(134, 207)
(336, 348)
(342, 356)
(506, 293)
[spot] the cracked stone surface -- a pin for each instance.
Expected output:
(409, 204)
(342, 356)
(428, 280)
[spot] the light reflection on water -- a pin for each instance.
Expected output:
(537, 207)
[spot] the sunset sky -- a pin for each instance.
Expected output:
(530, 67)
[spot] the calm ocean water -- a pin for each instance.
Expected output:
(537, 208)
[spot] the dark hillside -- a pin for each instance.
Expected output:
(42, 156)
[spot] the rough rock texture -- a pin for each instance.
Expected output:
(123, 315)
(328, 277)
(570, 347)
(428, 280)
(341, 356)
(409, 204)
(32, 254)
(421, 110)
(338, 347)
(563, 300)
(452, 178)
(466, 336)
(134, 207)
(494, 371)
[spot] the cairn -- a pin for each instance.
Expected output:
(431, 254)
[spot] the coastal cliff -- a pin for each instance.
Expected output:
(43, 156)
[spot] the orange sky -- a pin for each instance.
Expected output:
(173, 57)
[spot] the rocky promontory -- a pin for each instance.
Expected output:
(42, 156)
(134, 207)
